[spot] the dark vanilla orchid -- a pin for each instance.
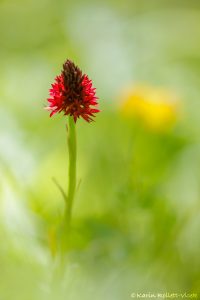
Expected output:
(73, 94)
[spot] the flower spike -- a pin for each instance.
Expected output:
(73, 94)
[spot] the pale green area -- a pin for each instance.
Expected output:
(136, 218)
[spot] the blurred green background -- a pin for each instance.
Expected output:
(136, 217)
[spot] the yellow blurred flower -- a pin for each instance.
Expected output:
(157, 108)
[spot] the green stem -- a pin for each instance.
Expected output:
(71, 170)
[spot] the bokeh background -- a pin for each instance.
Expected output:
(136, 217)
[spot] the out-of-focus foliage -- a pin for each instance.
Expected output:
(136, 217)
